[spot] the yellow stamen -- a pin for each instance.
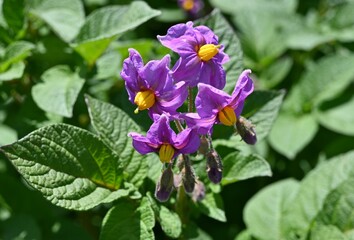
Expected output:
(144, 100)
(208, 51)
(188, 5)
(166, 153)
(227, 116)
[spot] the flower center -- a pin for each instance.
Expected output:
(166, 153)
(144, 100)
(208, 51)
(188, 5)
(227, 116)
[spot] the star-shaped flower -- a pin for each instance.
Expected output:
(201, 56)
(151, 86)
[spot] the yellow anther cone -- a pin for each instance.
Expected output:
(227, 116)
(166, 153)
(208, 51)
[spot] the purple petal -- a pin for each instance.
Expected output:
(243, 88)
(208, 34)
(187, 70)
(212, 73)
(187, 141)
(174, 34)
(155, 73)
(142, 144)
(209, 100)
(173, 99)
(160, 131)
(130, 74)
(202, 125)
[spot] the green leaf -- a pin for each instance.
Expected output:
(264, 213)
(113, 126)
(290, 134)
(327, 79)
(338, 118)
(262, 108)
(321, 232)
(239, 166)
(231, 6)
(108, 65)
(14, 14)
(59, 90)
(65, 17)
(14, 72)
(244, 235)
(7, 135)
(227, 37)
(213, 206)
(171, 15)
(128, 221)
(338, 207)
(275, 73)
(70, 166)
(170, 222)
(260, 36)
(14, 53)
(106, 24)
(320, 186)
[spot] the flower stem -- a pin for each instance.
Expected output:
(190, 100)
(179, 125)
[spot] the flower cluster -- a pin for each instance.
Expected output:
(162, 90)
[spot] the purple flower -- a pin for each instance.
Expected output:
(215, 106)
(162, 139)
(201, 56)
(192, 7)
(151, 86)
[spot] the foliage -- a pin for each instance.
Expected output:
(68, 168)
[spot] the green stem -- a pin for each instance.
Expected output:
(190, 100)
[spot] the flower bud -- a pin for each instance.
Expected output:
(188, 175)
(198, 193)
(214, 166)
(246, 130)
(165, 185)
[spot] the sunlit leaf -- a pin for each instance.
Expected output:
(70, 166)
(58, 91)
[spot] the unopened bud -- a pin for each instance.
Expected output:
(246, 130)
(165, 185)
(188, 175)
(198, 192)
(214, 166)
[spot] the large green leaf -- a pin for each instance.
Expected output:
(170, 222)
(126, 220)
(290, 134)
(70, 166)
(338, 118)
(212, 205)
(14, 72)
(105, 24)
(325, 80)
(14, 53)
(65, 17)
(318, 191)
(264, 213)
(58, 91)
(113, 126)
(338, 207)
(239, 166)
(321, 232)
(231, 6)
(229, 39)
